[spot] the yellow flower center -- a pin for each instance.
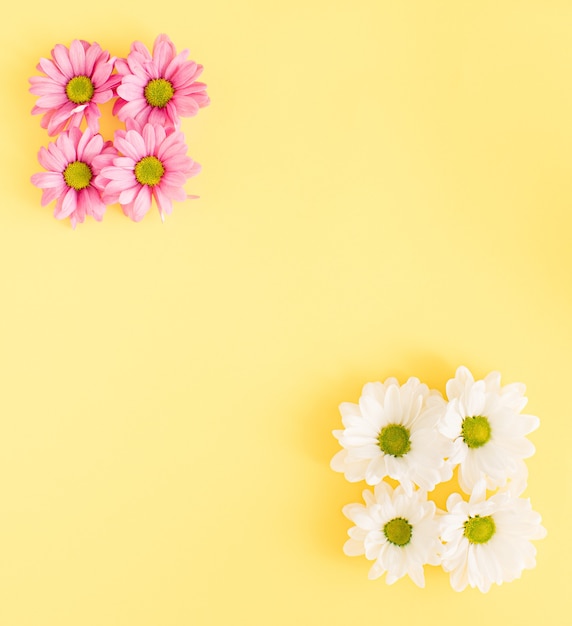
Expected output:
(394, 440)
(78, 175)
(476, 431)
(149, 171)
(80, 89)
(479, 529)
(398, 531)
(158, 92)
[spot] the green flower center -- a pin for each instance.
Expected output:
(394, 440)
(476, 431)
(158, 92)
(78, 175)
(479, 529)
(149, 171)
(80, 89)
(398, 531)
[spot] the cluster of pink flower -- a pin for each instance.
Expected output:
(147, 159)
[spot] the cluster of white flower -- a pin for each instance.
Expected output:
(410, 434)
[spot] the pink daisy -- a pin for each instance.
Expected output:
(158, 88)
(153, 164)
(76, 81)
(73, 163)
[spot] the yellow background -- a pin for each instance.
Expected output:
(386, 190)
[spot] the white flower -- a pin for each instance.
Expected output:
(488, 430)
(488, 541)
(394, 432)
(399, 532)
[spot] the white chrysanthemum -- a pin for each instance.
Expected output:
(488, 541)
(393, 432)
(488, 430)
(399, 532)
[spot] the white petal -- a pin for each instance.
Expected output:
(353, 547)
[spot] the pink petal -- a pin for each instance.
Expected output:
(110, 83)
(77, 57)
(149, 138)
(128, 195)
(114, 188)
(187, 106)
(59, 118)
(90, 199)
(197, 90)
(174, 179)
(137, 141)
(174, 66)
(195, 169)
(151, 70)
(127, 149)
(141, 204)
(52, 100)
(81, 141)
(48, 123)
(61, 56)
(125, 162)
(160, 135)
(139, 49)
(121, 66)
(158, 116)
(45, 180)
(117, 106)
(101, 73)
(102, 96)
(75, 135)
(163, 38)
(118, 173)
(100, 161)
(92, 114)
(187, 74)
(52, 159)
(131, 109)
(173, 150)
(172, 145)
(76, 119)
(92, 148)
(52, 70)
(65, 144)
(163, 202)
(42, 86)
(129, 91)
(77, 217)
(140, 69)
(69, 204)
(178, 163)
(91, 56)
(51, 193)
(175, 193)
(162, 56)
(132, 79)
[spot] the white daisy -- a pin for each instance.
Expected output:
(484, 421)
(393, 432)
(399, 532)
(488, 541)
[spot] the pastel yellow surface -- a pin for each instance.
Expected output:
(386, 190)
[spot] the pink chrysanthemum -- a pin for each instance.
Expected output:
(158, 88)
(73, 163)
(76, 81)
(153, 164)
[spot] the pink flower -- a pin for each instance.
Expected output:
(153, 165)
(159, 88)
(76, 81)
(73, 163)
